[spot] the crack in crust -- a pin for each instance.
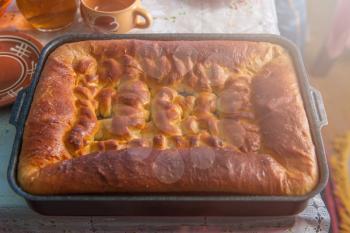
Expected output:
(239, 100)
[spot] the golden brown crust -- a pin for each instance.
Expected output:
(168, 116)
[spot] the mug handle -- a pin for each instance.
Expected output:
(144, 14)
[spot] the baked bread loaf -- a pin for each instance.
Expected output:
(139, 116)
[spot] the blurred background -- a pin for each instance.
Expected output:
(322, 32)
(333, 82)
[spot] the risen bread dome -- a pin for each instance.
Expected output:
(168, 116)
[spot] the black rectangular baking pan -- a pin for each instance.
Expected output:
(172, 205)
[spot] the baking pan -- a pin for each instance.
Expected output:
(172, 204)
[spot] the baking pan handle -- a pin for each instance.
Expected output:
(17, 107)
(319, 107)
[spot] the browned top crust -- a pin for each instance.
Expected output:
(168, 116)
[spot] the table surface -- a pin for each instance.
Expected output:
(170, 16)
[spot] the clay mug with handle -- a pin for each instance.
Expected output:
(114, 16)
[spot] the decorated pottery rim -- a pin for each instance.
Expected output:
(18, 54)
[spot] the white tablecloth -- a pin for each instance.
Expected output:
(194, 16)
(170, 16)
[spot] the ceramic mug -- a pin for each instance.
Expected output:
(114, 16)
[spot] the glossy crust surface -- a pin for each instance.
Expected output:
(133, 116)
